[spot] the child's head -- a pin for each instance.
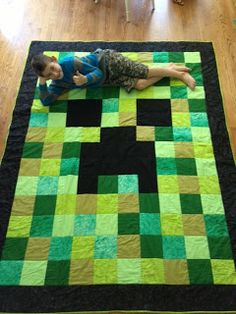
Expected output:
(47, 67)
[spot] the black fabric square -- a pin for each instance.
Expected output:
(155, 112)
(84, 112)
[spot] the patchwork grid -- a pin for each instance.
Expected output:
(120, 234)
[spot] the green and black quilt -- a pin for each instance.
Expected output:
(114, 201)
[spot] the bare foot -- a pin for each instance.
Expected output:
(179, 68)
(188, 80)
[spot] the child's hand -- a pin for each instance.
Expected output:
(79, 79)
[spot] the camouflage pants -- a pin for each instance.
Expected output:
(123, 71)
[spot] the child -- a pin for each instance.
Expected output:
(98, 68)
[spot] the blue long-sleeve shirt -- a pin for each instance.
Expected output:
(88, 66)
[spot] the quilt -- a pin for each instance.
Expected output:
(113, 201)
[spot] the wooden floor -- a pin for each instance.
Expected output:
(24, 20)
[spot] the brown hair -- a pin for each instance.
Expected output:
(39, 63)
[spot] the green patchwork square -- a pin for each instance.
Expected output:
(197, 247)
(191, 204)
(206, 167)
(166, 166)
(44, 205)
(10, 272)
(41, 226)
(127, 105)
(182, 134)
(192, 57)
(57, 273)
(160, 57)
(127, 183)
(212, 204)
(199, 119)
(173, 247)
(216, 225)
(128, 223)
(152, 271)
(73, 134)
(63, 225)
(110, 119)
(128, 271)
(47, 185)
(55, 135)
(85, 225)
(107, 203)
(110, 105)
(105, 271)
(107, 184)
(106, 224)
(186, 166)
(169, 203)
(39, 119)
(171, 224)
(91, 134)
(14, 248)
(220, 247)
(176, 57)
(163, 134)
(33, 273)
(60, 249)
(150, 224)
(65, 204)
(197, 105)
(83, 247)
(180, 119)
(223, 272)
(71, 149)
(32, 150)
(105, 247)
(58, 106)
(56, 120)
(164, 149)
(151, 246)
(69, 166)
(200, 271)
(49, 167)
(168, 184)
(67, 185)
(149, 203)
(26, 186)
(19, 226)
(178, 92)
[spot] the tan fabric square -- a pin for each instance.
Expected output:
(37, 249)
(127, 119)
(81, 272)
(29, 167)
(23, 206)
(128, 246)
(179, 105)
(176, 272)
(145, 57)
(145, 133)
(36, 134)
(128, 203)
(184, 150)
(86, 204)
(52, 150)
(193, 225)
(188, 185)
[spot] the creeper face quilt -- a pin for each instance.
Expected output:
(118, 188)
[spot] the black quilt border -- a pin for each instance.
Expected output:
(120, 297)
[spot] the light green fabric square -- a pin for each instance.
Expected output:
(201, 135)
(209, 184)
(170, 203)
(161, 92)
(19, 226)
(50, 167)
(171, 224)
(107, 203)
(82, 247)
(127, 105)
(152, 271)
(63, 225)
(56, 120)
(164, 149)
(77, 93)
(65, 204)
(147, 93)
(206, 167)
(26, 185)
(55, 135)
(192, 57)
(127, 184)
(91, 134)
(196, 247)
(110, 105)
(107, 224)
(73, 134)
(125, 95)
(223, 272)
(33, 273)
(129, 271)
(212, 204)
(110, 119)
(203, 150)
(52, 54)
(105, 271)
(197, 93)
(131, 55)
(67, 185)
(37, 106)
(168, 184)
(181, 119)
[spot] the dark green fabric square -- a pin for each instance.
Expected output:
(14, 248)
(200, 271)
(41, 226)
(163, 82)
(163, 134)
(196, 71)
(166, 166)
(151, 246)
(179, 92)
(110, 92)
(32, 150)
(45, 205)
(176, 57)
(186, 166)
(197, 105)
(160, 57)
(58, 106)
(107, 184)
(191, 204)
(149, 203)
(216, 225)
(57, 273)
(128, 224)
(220, 247)
(69, 166)
(71, 149)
